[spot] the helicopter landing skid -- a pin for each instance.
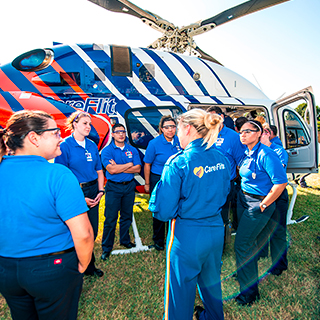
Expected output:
(291, 205)
(138, 247)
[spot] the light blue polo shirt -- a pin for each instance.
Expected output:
(127, 154)
(83, 162)
(260, 170)
(36, 197)
(229, 144)
(158, 152)
(185, 190)
(282, 154)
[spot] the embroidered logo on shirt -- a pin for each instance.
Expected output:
(129, 154)
(57, 261)
(198, 171)
(219, 142)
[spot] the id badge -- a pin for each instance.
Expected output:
(88, 156)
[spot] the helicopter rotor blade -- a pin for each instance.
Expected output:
(125, 6)
(206, 56)
(240, 10)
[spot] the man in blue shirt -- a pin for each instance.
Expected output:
(228, 143)
(121, 161)
(273, 137)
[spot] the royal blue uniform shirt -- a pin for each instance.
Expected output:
(36, 197)
(281, 152)
(276, 140)
(185, 190)
(83, 162)
(120, 156)
(159, 150)
(229, 144)
(260, 170)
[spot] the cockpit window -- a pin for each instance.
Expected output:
(34, 60)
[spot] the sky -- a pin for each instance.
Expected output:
(277, 49)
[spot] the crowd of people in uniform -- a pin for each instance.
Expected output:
(195, 175)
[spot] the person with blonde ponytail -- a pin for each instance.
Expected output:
(186, 196)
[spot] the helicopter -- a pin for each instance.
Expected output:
(136, 86)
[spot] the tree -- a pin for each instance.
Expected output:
(301, 109)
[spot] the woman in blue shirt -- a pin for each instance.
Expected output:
(159, 150)
(81, 156)
(186, 195)
(45, 234)
(262, 182)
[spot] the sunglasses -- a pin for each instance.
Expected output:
(120, 132)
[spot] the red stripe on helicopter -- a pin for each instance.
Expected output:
(6, 84)
(69, 80)
(6, 111)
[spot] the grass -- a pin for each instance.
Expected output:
(132, 287)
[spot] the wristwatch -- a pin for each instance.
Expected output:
(102, 191)
(263, 205)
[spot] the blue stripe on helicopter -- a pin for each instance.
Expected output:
(13, 103)
(191, 72)
(219, 80)
(240, 101)
(167, 71)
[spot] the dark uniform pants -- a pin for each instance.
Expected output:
(93, 215)
(278, 238)
(159, 227)
(42, 288)
(119, 197)
(253, 224)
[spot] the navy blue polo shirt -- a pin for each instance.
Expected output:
(276, 140)
(83, 162)
(159, 151)
(282, 154)
(229, 144)
(120, 156)
(260, 170)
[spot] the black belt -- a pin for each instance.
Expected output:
(254, 195)
(55, 253)
(123, 182)
(88, 184)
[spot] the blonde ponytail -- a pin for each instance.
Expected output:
(206, 124)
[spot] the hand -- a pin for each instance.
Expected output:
(98, 197)
(112, 162)
(147, 188)
(81, 269)
(90, 202)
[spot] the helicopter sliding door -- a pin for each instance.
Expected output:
(299, 136)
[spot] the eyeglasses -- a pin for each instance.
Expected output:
(57, 132)
(169, 127)
(120, 132)
(248, 131)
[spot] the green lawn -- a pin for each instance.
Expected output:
(132, 287)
